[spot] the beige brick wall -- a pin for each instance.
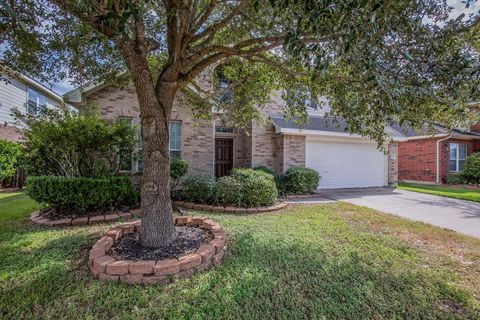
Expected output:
(393, 164)
(294, 151)
(197, 135)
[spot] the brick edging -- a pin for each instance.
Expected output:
(37, 218)
(105, 267)
(204, 207)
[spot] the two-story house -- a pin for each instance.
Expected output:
(27, 96)
(343, 160)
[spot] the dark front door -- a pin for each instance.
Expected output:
(223, 156)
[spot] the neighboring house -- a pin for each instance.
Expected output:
(343, 160)
(27, 96)
(430, 158)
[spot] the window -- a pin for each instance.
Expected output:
(224, 91)
(175, 139)
(125, 154)
(36, 102)
(175, 144)
(301, 97)
(220, 129)
(458, 154)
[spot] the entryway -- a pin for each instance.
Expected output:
(223, 156)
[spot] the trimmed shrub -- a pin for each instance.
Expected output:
(299, 180)
(9, 154)
(257, 187)
(198, 189)
(228, 191)
(258, 191)
(264, 169)
(247, 173)
(455, 178)
(471, 169)
(79, 194)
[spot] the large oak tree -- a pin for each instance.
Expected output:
(376, 62)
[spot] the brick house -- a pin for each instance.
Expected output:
(342, 159)
(430, 158)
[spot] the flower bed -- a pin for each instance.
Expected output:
(105, 267)
(205, 207)
(37, 218)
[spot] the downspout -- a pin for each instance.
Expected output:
(438, 157)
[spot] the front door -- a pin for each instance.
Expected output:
(223, 156)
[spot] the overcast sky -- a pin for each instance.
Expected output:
(458, 8)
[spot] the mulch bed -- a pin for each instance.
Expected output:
(187, 240)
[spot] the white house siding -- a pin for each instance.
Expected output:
(12, 95)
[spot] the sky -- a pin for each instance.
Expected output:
(458, 8)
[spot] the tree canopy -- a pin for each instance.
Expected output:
(375, 61)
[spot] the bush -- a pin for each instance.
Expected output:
(299, 180)
(228, 191)
(471, 169)
(9, 154)
(258, 191)
(198, 189)
(455, 178)
(264, 169)
(73, 194)
(257, 187)
(280, 182)
(64, 144)
(247, 173)
(178, 168)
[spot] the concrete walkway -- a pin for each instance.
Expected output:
(458, 215)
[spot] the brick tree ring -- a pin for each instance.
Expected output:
(105, 267)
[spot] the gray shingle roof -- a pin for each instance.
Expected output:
(318, 123)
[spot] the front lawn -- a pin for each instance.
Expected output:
(450, 192)
(333, 261)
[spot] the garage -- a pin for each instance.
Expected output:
(346, 162)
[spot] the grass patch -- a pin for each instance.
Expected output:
(332, 261)
(457, 193)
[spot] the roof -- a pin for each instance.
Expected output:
(325, 124)
(40, 86)
(432, 129)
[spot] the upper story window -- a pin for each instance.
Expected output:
(458, 154)
(223, 87)
(302, 98)
(36, 102)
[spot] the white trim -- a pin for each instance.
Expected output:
(306, 132)
(38, 86)
(453, 135)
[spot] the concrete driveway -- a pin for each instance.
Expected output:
(459, 215)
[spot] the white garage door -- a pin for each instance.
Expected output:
(346, 164)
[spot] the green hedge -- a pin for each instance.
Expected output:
(228, 191)
(455, 178)
(9, 154)
(299, 180)
(72, 194)
(254, 188)
(198, 189)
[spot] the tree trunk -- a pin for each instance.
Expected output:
(155, 108)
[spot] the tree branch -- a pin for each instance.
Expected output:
(213, 29)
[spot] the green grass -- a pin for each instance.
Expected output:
(457, 193)
(308, 262)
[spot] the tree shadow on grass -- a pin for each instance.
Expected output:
(261, 278)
